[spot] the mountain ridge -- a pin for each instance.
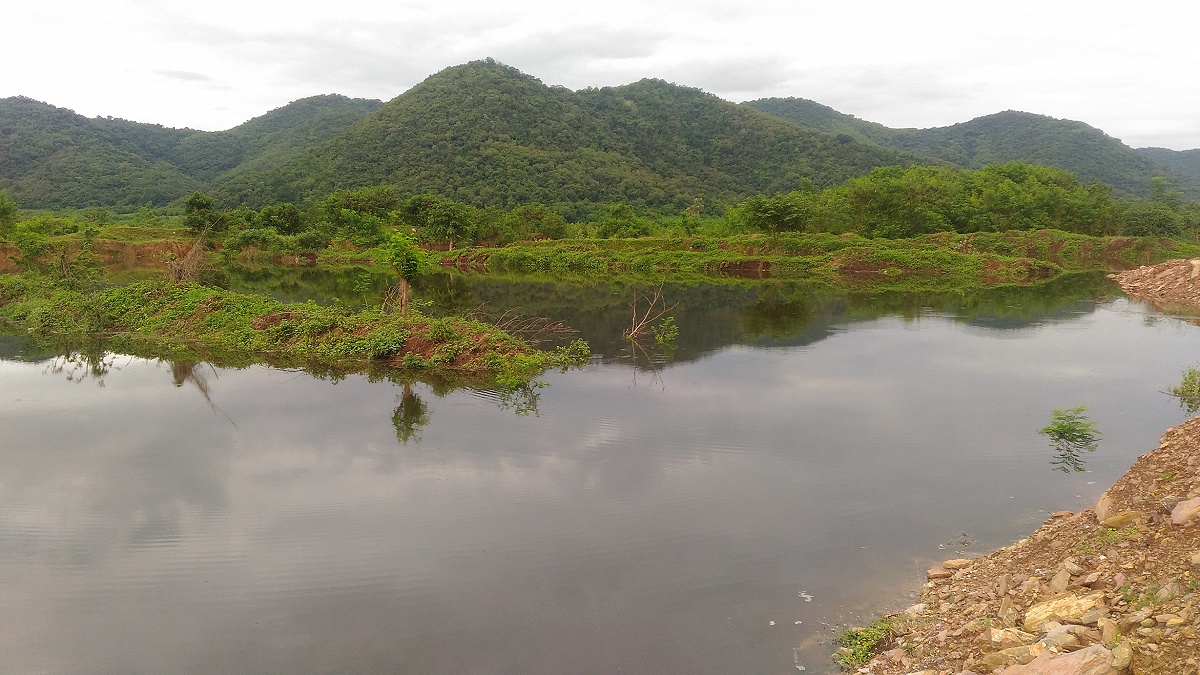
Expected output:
(490, 134)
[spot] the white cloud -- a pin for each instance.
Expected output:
(1114, 65)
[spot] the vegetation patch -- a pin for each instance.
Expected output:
(192, 320)
(857, 646)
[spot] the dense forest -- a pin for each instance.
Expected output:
(53, 158)
(1011, 136)
(486, 136)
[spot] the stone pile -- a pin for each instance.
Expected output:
(1169, 286)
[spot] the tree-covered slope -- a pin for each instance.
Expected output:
(820, 117)
(1008, 136)
(1186, 162)
(51, 157)
(487, 133)
(279, 135)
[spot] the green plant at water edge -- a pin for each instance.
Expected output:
(857, 646)
(1105, 538)
(1071, 434)
(1188, 391)
(666, 332)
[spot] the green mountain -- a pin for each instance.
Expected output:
(1009, 136)
(1186, 162)
(486, 133)
(52, 158)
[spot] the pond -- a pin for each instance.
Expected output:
(794, 465)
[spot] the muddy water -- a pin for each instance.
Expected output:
(793, 465)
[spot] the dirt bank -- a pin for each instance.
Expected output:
(1171, 286)
(1112, 589)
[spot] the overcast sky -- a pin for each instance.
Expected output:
(1127, 68)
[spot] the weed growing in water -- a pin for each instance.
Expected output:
(1188, 391)
(1071, 434)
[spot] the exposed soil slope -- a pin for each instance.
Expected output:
(1171, 286)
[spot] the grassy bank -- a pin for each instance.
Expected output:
(937, 261)
(161, 319)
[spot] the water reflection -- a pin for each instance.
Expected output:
(357, 524)
(410, 416)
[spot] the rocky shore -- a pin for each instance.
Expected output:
(1112, 590)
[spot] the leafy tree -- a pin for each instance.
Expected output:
(284, 218)
(199, 216)
(8, 215)
(1151, 219)
(406, 259)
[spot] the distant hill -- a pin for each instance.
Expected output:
(1186, 162)
(52, 157)
(486, 133)
(1003, 137)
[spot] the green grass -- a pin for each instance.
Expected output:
(859, 645)
(190, 321)
(931, 262)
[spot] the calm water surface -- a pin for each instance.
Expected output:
(795, 465)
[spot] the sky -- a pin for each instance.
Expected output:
(1126, 68)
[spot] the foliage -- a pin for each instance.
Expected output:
(54, 158)
(859, 645)
(199, 214)
(1010, 136)
(188, 319)
(1188, 391)
(1071, 433)
(487, 135)
(8, 215)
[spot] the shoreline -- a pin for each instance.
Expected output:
(1110, 590)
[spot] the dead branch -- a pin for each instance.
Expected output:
(531, 329)
(642, 322)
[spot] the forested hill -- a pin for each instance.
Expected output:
(486, 133)
(1003, 137)
(52, 157)
(1186, 162)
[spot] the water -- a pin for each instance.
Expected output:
(801, 457)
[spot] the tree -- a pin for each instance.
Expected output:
(198, 213)
(439, 219)
(406, 259)
(8, 215)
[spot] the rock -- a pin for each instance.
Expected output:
(1009, 638)
(1108, 630)
(1008, 657)
(1104, 507)
(1122, 655)
(1185, 511)
(1072, 567)
(1196, 559)
(1094, 660)
(938, 573)
(1090, 580)
(1008, 614)
(916, 609)
(1060, 581)
(1092, 616)
(1122, 519)
(1064, 608)
(957, 563)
